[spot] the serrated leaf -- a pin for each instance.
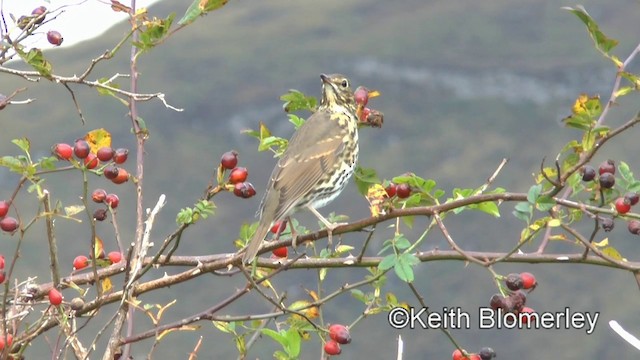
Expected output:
(612, 252)
(276, 336)
(23, 143)
(73, 210)
(402, 242)
(387, 262)
(545, 203)
(199, 8)
(602, 42)
(295, 100)
(488, 207)
(359, 295)
(293, 342)
(364, 177)
(625, 90)
(533, 193)
(404, 267)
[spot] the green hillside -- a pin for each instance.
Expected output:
(464, 85)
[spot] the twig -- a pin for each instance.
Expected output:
(51, 237)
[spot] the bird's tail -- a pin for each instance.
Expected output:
(256, 241)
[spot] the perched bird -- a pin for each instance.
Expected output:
(315, 168)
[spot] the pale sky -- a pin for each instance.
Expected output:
(79, 20)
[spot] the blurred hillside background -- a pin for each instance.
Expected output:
(464, 84)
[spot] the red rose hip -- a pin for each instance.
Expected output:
(80, 262)
(238, 175)
(120, 156)
(9, 224)
(62, 151)
(229, 160)
(112, 200)
(4, 208)
(81, 149)
(55, 297)
(331, 347)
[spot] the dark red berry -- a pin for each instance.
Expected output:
(55, 297)
(80, 262)
(100, 214)
(631, 198)
(528, 280)
(229, 160)
(54, 38)
(608, 166)
(403, 191)
(39, 11)
(123, 176)
(331, 347)
(634, 227)
(588, 173)
(91, 161)
(607, 180)
(281, 252)
(81, 149)
(111, 172)
(115, 257)
(4, 208)
(105, 153)
(622, 206)
(487, 353)
(513, 282)
(276, 227)
(9, 224)
(120, 156)
(244, 190)
(112, 200)
(361, 96)
(62, 151)
(98, 195)
(366, 112)
(497, 302)
(391, 190)
(339, 333)
(1, 262)
(3, 276)
(238, 175)
(607, 224)
(516, 300)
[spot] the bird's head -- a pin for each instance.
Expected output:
(336, 90)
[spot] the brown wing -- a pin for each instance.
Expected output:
(311, 153)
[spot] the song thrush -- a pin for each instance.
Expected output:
(320, 159)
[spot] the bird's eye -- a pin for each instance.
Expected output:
(345, 84)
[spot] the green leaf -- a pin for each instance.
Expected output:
(488, 207)
(247, 231)
(48, 163)
(293, 342)
(545, 203)
(364, 177)
(602, 42)
(295, 100)
(276, 336)
(625, 90)
(13, 163)
(387, 262)
(359, 295)
(153, 32)
(533, 193)
(22, 143)
(36, 59)
(401, 242)
(296, 120)
(625, 172)
(200, 7)
(404, 267)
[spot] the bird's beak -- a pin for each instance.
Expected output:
(325, 78)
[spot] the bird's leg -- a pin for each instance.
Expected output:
(330, 225)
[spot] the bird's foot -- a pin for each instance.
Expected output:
(330, 228)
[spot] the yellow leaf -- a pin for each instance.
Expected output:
(106, 285)
(603, 243)
(554, 222)
(612, 252)
(98, 138)
(99, 248)
(313, 295)
(72, 210)
(579, 105)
